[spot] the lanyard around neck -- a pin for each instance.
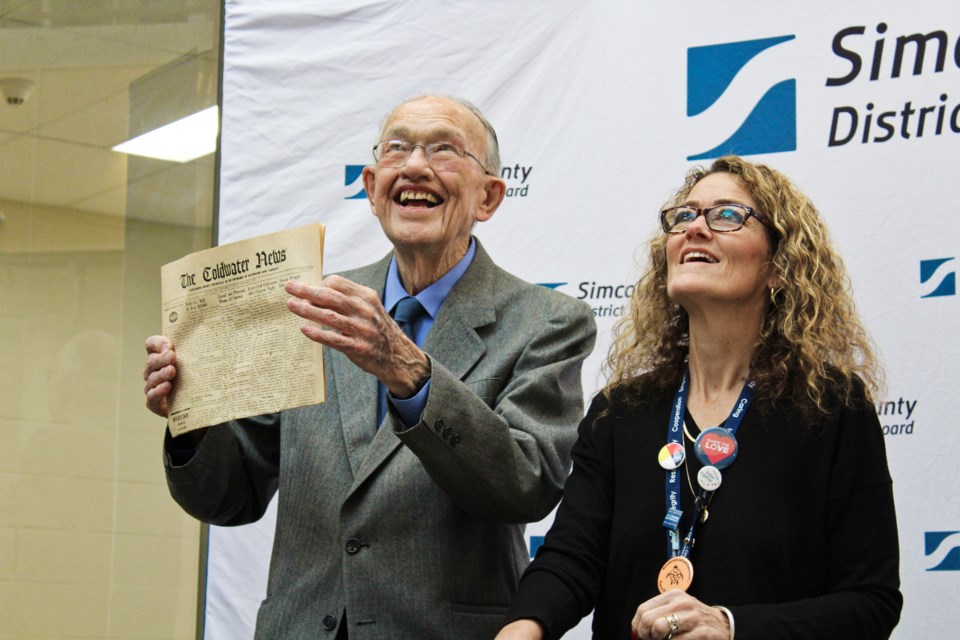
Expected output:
(673, 479)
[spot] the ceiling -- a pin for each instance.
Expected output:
(81, 57)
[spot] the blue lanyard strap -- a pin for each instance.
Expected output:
(674, 487)
(675, 436)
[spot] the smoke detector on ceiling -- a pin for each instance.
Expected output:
(16, 90)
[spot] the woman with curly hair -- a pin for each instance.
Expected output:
(731, 479)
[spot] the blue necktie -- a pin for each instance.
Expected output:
(405, 314)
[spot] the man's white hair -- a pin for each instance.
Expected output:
(492, 164)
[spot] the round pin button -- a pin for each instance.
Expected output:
(671, 456)
(716, 447)
(709, 478)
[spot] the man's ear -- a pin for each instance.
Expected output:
(369, 176)
(494, 190)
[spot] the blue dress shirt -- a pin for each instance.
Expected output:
(432, 299)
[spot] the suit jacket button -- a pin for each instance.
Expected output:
(439, 424)
(329, 622)
(447, 431)
(454, 439)
(354, 546)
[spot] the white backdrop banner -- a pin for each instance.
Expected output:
(601, 107)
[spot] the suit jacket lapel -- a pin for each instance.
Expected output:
(357, 402)
(357, 390)
(452, 341)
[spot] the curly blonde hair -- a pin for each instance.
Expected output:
(812, 339)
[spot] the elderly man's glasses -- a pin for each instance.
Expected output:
(442, 156)
(722, 217)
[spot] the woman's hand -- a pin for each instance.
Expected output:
(692, 620)
(523, 629)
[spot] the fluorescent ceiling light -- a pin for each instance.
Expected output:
(181, 141)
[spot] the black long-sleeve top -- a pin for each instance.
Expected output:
(800, 542)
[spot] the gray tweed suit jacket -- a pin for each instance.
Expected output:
(410, 533)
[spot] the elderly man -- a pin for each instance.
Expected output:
(453, 394)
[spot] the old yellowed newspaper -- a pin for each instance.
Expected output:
(239, 350)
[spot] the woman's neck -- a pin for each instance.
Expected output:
(719, 364)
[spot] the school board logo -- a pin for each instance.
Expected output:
(351, 178)
(535, 542)
(770, 127)
(943, 549)
(895, 58)
(939, 277)
(517, 178)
